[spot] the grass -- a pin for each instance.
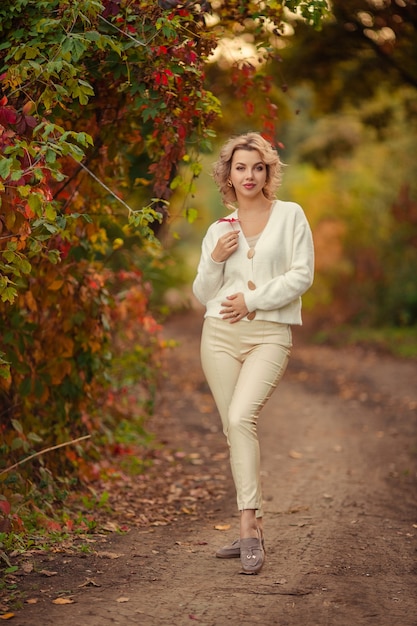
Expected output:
(398, 342)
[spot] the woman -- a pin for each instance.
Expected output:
(254, 267)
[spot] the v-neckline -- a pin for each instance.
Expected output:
(259, 235)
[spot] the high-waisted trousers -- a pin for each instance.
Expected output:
(243, 363)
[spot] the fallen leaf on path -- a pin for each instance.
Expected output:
(63, 601)
(27, 568)
(89, 581)
(47, 572)
(122, 599)
(297, 509)
(187, 511)
(109, 555)
(7, 616)
(222, 527)
(32, 601)
(293, 454)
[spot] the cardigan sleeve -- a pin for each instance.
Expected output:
(209, 277)
(287, 287)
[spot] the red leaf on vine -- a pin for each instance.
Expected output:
(250, 108)
(7, 116)
(4, 507)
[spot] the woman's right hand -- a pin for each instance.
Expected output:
(226, 245)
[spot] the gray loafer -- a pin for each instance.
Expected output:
(252, 555)
(232, 551)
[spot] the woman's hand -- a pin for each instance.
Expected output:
(234, 309)
(226, 245)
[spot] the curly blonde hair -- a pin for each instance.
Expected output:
(248, 141)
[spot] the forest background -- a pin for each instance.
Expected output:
(111, 113)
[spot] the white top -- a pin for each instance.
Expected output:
(273, 280)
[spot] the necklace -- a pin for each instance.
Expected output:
(254, 232)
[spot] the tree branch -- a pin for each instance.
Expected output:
(33, 456)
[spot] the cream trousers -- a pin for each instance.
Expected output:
(243, 364)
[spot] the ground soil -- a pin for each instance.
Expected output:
(339, 459)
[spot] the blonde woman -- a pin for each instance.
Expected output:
(255, 265)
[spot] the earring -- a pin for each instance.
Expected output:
(229, 182)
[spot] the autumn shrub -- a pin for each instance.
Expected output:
(102, 106)
(84, 350)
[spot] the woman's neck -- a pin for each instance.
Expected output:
(248, 206)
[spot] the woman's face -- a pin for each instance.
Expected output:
(248, 173)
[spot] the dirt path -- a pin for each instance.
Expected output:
(339, 448)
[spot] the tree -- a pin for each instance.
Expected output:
(103, 105)
(354, 85)
(362, 45)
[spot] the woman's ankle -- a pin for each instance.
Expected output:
(248, 524)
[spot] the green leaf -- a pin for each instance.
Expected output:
(190, 215)
(196, 168)
(50, 156)
(50, 213)
(25, 388)
(17, 426)
(35, 203)
(35, 438)
(16, 175)
(54, 256)
(176, 182)
(17, 443)
(5, 167)
(4, 367)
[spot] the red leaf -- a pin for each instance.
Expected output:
(7, 116)
(30, 121)
(250, 108)
(5, 507)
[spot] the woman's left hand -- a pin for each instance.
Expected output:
(234, 309)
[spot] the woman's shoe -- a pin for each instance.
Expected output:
(232, 551)
(252, 555)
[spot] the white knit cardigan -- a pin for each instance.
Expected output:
(279, 272)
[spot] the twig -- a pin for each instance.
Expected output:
(123, 32)
(100, 182)
(32, 456)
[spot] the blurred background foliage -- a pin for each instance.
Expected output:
(106, 152)
(346, 104)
